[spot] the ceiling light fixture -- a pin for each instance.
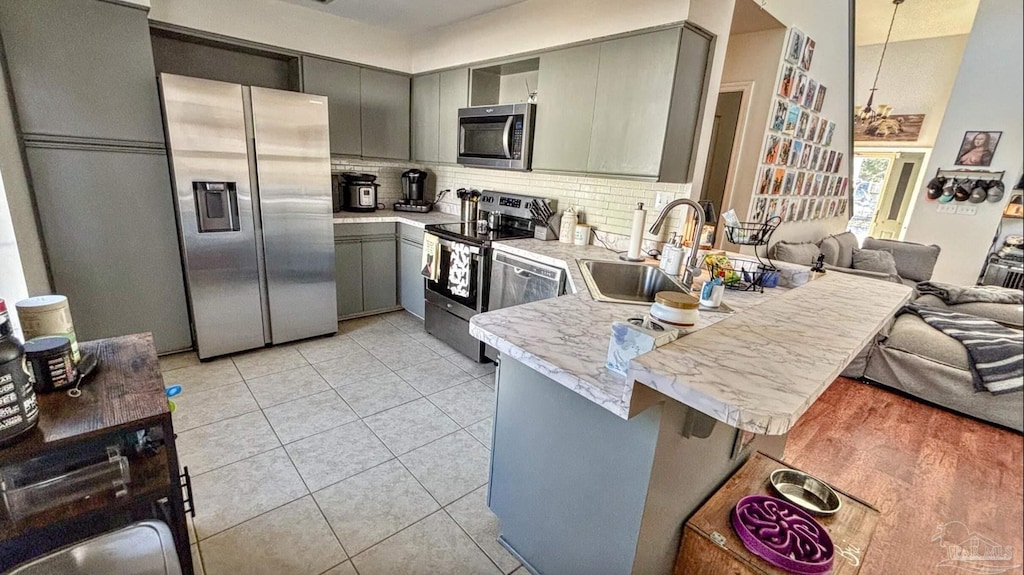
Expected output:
(867, 114)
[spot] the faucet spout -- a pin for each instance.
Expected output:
(692, 267)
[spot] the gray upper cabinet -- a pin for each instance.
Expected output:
(634, 89)
(689, 94)
(425, 108)
(340, 83)
(100, 84)
(567, 88)
(385, 114)
(454, 95)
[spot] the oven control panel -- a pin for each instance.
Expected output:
(515, 205)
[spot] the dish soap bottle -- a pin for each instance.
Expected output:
(567, 227)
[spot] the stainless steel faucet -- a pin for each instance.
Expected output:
(692, 267)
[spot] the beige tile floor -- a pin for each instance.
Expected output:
(366, 452)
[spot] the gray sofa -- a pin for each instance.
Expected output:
(914, 262)
(915, 358)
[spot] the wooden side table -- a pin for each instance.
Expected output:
(710, 546)
(123, 406)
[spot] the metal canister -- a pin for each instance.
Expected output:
(468, 210)
(18, 410)
(49, 359)
(47, 315)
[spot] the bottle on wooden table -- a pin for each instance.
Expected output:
(18, 410)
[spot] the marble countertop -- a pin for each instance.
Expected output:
(391, 216)
(758, 369)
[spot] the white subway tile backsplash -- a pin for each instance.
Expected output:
(607, 203)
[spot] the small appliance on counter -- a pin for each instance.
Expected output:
(414, 185)
(359, 192)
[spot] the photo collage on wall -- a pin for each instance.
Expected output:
(799, 177)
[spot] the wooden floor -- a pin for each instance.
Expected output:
(921, 466)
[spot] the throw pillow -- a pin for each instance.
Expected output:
(803, 253)
(874, 261)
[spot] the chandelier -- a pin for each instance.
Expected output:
(868, 114)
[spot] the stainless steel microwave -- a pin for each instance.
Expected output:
(497, 136)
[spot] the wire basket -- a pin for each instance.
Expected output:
(744, 275)
(752, 233)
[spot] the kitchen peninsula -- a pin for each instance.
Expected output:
(592, 472)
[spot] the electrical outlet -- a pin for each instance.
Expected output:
(947, 209)
(661, 199)
(967, 210)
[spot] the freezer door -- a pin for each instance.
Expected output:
(205, 127)
(293, 166)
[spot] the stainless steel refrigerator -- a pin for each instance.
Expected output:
(251, 171)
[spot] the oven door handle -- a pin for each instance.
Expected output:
(448, 244)
(505, 135)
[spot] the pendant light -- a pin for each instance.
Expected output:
(868, 114)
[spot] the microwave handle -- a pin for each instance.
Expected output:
(505, 137)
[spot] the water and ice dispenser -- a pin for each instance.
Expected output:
(216, 206)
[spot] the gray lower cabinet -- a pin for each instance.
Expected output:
(340, 83)
(380, 273)
(454, 94)
(112, 242)
(81, 69)
(634, 89)
(366, 268)
(565, 108)
(425, 108)
(411, 284)
(384, 104)
(348, 271)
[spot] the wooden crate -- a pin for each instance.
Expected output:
(710, 546)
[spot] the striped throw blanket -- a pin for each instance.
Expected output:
(996, 353)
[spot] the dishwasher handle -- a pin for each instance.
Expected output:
(525, 268)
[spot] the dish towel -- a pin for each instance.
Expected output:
(430, 267)
(459, 270)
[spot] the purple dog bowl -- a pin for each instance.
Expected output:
(783, 534)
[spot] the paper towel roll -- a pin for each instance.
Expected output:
(636, 234)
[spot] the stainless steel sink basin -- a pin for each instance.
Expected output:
(626, 282)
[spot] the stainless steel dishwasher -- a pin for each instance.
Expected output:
(516, 280)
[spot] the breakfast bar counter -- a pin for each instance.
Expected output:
(595, 472)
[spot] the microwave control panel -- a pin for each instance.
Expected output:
(517, 140)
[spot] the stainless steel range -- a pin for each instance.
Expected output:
(448, 306)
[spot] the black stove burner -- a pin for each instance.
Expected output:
(467, 232)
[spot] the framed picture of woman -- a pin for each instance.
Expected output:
(978, 148)
(795, 48)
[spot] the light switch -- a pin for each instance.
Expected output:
(947, 209)
(661, 199)
(967, 210)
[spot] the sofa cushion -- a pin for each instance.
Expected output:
(911, 334)
(874, 261)
(1008, 314)
(838, 249)
(803, 253)
(913, 261)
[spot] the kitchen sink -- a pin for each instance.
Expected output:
(626, 282)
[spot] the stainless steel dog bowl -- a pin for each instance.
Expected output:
(806, 491)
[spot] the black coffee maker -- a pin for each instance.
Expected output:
(414, 186)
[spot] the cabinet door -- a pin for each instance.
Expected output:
(340, 83)
(385, 114)
(689, 95)
(410, 280)
(112, 242)
(425, 107)
(348, 269)
(454, 95)
(634, 88)
(82, 69)
(567, 89)
(380, 273)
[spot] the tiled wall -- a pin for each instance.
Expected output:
(607, 204)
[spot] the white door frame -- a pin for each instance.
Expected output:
(746, 89)
(922, 177)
